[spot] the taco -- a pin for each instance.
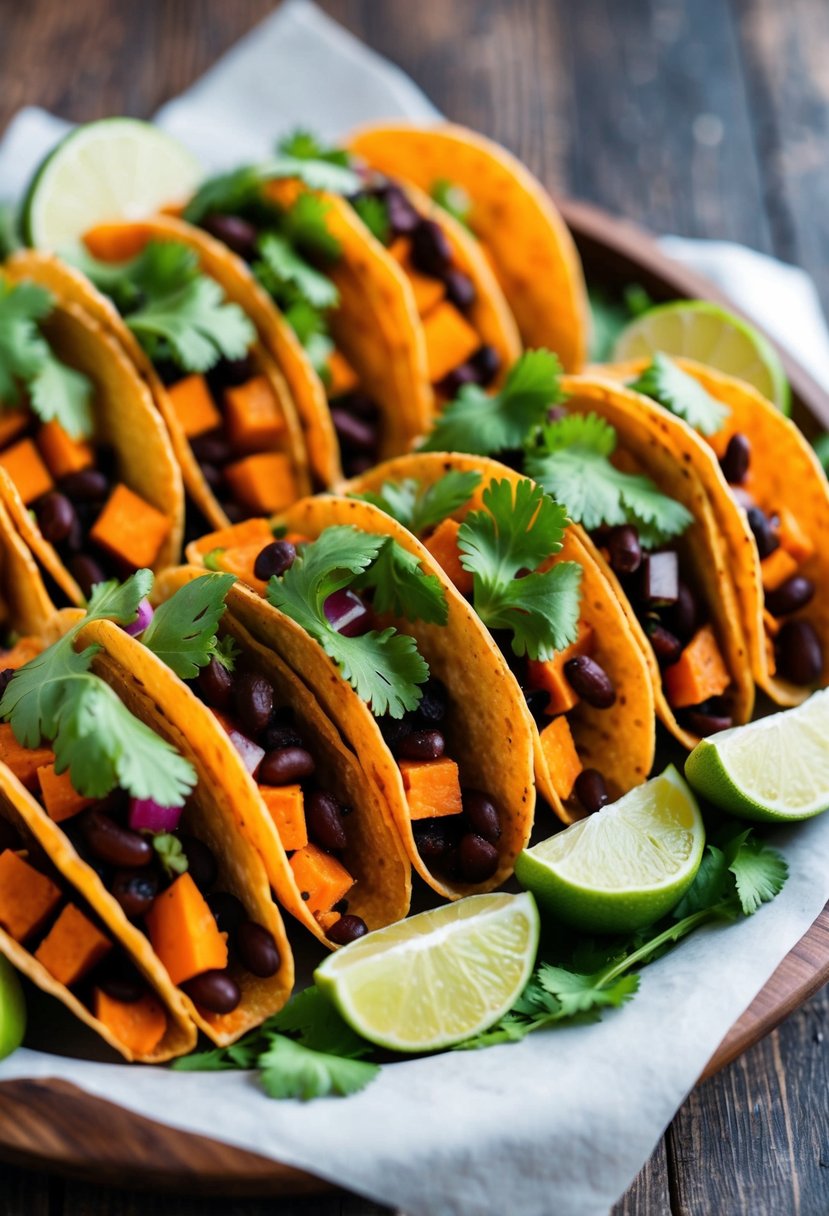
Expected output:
(140, 818)
(587, 751)
(428, 704)
(626, 471)
(332, 855)
(231, 419)
(508, 211)
(87, 472)
(771, 502)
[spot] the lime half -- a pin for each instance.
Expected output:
(115, 169)
(698, 329)
(437, 978)
(12, 1010)
(624, 867)
(775, 768)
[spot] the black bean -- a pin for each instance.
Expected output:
(235, 371)
(214, 991)
(795, 593)
(592, 683)
(256, 948)
(233, 231)
(432, 706)
(537, 701)
(286, 765)
(666, 646)
(252, 697)
(120, 980)
(87, 485)
(736, 459)
(211, 448)
(200, 862)
(135, 890)
(460, 290)
(324, 817)
(482, 815)
(215, 683)
(709, 717)
(624, 550)
(682, 617)
(86, 572)
(354, 433)
(478, 858)
(5, 677)
(73, 542)
(394, 730)
(799, 653)
(435, 839)
(212, 475)
(279, 735)
(487, 363)
(422, 745)
(453, 382)
(764, 532)
(275, 558)
(659, 578)
(431, 251)
(347, 929)
(113, 844)
(228, 911)
(55, 517)
(403, 218)
(360, 405)
(591, 791)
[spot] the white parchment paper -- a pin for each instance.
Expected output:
(563, 1122)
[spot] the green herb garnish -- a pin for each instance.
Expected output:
(280, 267)
(418, 507)
(170, 853)
(182, 632)
(452, 198)
(375, 215)
(673, 388)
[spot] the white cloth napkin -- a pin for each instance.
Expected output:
(564, 1121)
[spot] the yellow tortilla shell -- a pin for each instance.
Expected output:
(525, 238)
(618, 741)
(25, 604)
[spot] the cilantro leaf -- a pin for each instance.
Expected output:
(310, 326)
(759, 873)
(374, 214)
(114, 601)
(666, 383)
(183, 629)
(305, 225)
(290, 1070)
(571, 460)
(452, 198)
(59, 392)
(384, 668)
(580, 994)
(318, 1025)
(519, 528)
(225, 194)
(170, 853)
(710, 885)
(481, 424)
(282, 265)
(304, 145)
(418, 507)
(402, 587)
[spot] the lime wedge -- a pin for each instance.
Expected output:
(624, 867)
(438, 977)
(775, 768)
(12, 1010)
(698, 329)
(115, 169)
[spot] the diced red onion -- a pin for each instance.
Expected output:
(250, 752)
(147, 815)
(145, 615)
(346, 612)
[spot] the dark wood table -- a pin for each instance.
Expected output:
(702, 117)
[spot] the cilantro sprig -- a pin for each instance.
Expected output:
(182, 632)
(519, 528)
(419, 507)
(383, 667)
(452, 198)
(28, 364)
(736, 877)
(671, 387)
(481, 424)
(570, 458)
(282, 270)
(174, 310)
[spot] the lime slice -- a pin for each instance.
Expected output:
(624, 867)
(775, 768)
(698, 329)
(115, 169)
(12, 1010)
(436, 978)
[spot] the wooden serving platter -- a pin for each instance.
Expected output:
(52, 1125)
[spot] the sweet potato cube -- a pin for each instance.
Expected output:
(549, 675)
(342, 377)
(286, 807)
(139, 1025)
(116, 242)
(254, 417)
(62, 453)
(263, 483)
(130, 528)
(72, 947)
(194, 406)
(184, 933)
(322, 880)
(27, 897)
(12, 422)
(326, 919)
(23, 464)
(433, 787)
(240, 560)
(561, 755)
(793, 538)
(249, 532)
(58, 795)
(450, 340)
(23, 761)
(777, 568)
(23, 651)
(428, 291)
(443, 546)
(698, 673)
